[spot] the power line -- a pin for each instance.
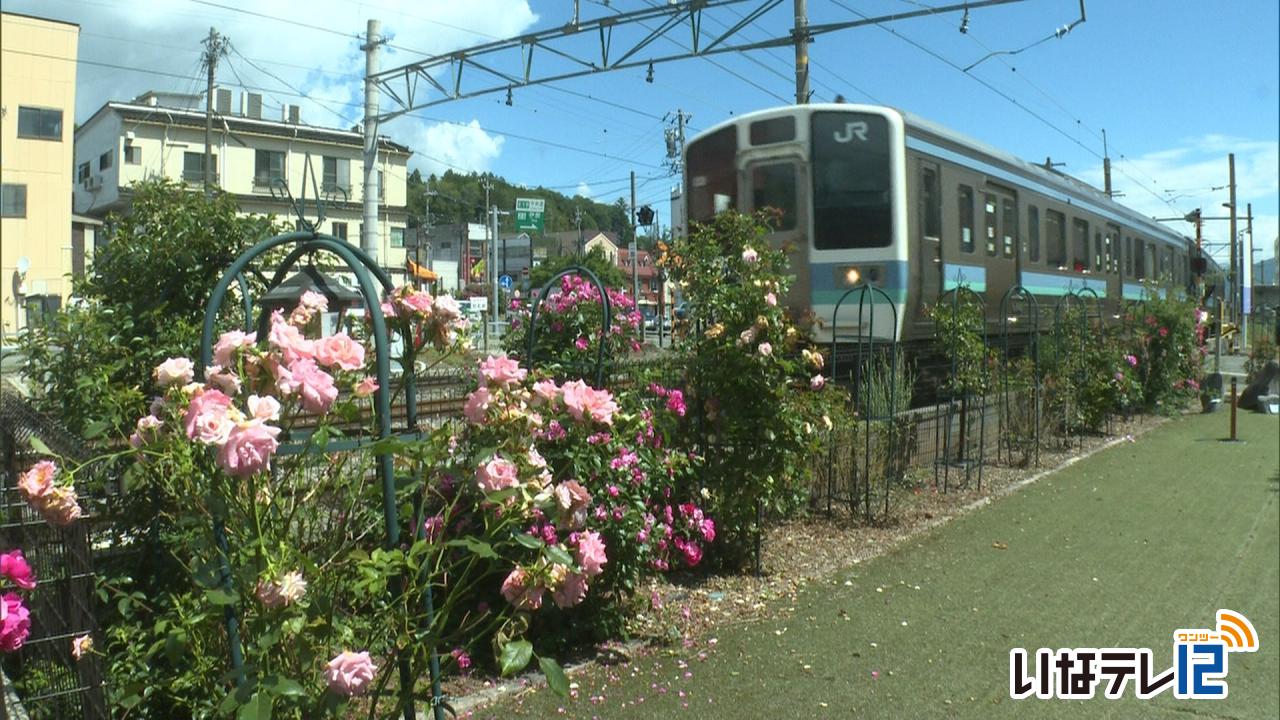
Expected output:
(1004, 95)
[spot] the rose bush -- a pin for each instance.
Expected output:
(570, 326)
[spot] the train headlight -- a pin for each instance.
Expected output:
(854, 275)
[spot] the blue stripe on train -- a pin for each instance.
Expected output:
(1046, 284)
(827, 286)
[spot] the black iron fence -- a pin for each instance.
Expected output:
(43, 679)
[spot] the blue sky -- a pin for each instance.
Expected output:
(1177, 84)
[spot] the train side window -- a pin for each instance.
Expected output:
(930, 203)
(1138, 264)
(774, 186)
(1055, 231)
(1153, 272)
(1111, 249)
(1098, 264)
(1010, 225)
(1079, 244)
(966, 219)
(1033, 234)
(989, 222)
(1128, 257)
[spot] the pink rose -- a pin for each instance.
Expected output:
(228, 343)
(60, 507)
(365, 388)
(750, 256)
(584, 401)
(15, 622)
(248, 448)
(817, 382)
(708, 530)
(36, 482)
(591, 553)
(572, 590)
(748, 336)
(545, 391)
(207, 418)
(174, 371)
(765, 349)
(350, 673)
(433, 528)
(497, 474)
(692, 553)
(418, 301)
(581, 343)
(520, 590)
(770, 299)
(1132, 360)
(573, 500)
(264, 407)
(14, 566)
(312, 300)
(228, 382)
(81, 645)
(501, 370)
(314, 386)
(289, 339)
(339, 350)
(476, 405)
(446, 308)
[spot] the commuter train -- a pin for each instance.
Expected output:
(874, 195)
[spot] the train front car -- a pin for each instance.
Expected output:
(836, 174)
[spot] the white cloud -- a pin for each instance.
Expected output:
(1195, 175)
(445, 146)
(165, 35)
(584, 190)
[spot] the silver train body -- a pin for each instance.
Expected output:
(872, 195)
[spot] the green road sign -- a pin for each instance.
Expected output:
(529, 213)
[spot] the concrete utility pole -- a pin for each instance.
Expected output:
(635, 272)
(1246, 277)
(369, 235)
(1234, 275)
(577, 220)
(1106, 166)
(491, 250)
(215, 46)
(801, 35)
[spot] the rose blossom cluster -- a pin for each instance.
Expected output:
(56, 503)
(436, 320)
(283, 591)
(502, 389)
(679, 534)
(15, 618)
(524, 587)
(563, 310)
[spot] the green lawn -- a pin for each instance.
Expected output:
(1118, 550)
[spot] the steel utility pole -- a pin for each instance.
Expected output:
(1234, 276)
(801, 35)
(635, 272)
(369, 235)
(1106, 166)
(215, 46)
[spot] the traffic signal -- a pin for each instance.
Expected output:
(645, 215)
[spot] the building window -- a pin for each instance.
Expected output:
(966, 219)
(193, 167)
(340, 230)
(13, 200)
(337, 175)
(1055, 232)
(82, 173)
(1079, 244)
(268, 166)
(106, 160)
(382, 186)
(39, 123)
(397, 237)
(132, 155)
(1033, 234)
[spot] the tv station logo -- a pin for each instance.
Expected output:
(1199, 669)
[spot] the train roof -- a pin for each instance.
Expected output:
(1057, 180)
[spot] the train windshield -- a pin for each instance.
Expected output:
(713, 179)
(851, 185)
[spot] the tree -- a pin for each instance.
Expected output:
(142, 302)
(595, 261)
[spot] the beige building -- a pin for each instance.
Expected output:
(37, 114)
(256, 151)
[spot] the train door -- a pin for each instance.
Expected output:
(775, 183)
(928, 251)
(1000, 238)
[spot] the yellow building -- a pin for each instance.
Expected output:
(37, 118)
